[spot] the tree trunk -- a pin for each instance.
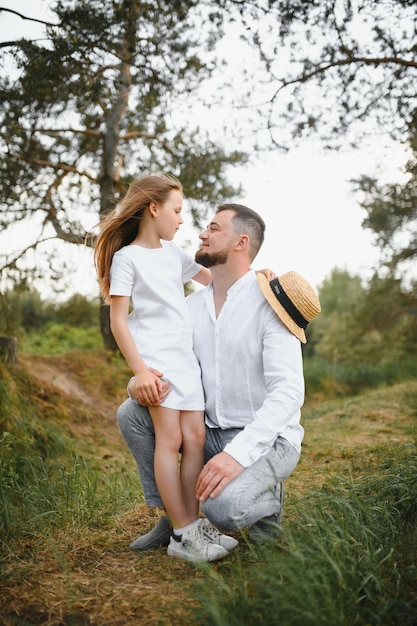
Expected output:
(8, 350)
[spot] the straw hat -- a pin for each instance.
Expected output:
(293, 300)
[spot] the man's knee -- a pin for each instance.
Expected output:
(236, 508)
(123, 412)
(131, 416)
(224, 513)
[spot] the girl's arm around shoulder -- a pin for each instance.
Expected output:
(269, 274)
(203, 277)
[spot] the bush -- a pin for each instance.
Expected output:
(353, 378)
(59, 338)
(23, 310)
(78, 311)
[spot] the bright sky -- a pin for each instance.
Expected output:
(313, 222)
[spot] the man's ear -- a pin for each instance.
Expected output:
(243, 242)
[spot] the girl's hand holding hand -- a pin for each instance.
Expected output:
(145, 387)
(148, 388)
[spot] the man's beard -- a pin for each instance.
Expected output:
(210, 260)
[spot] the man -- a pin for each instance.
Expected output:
(247, 335)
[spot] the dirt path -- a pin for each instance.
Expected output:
(95, 420)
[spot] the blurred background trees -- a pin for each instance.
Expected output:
(92, 107)
(340, 70)
(112, 91)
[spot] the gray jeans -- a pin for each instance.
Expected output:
(254, 494)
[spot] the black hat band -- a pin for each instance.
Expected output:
(284, 300)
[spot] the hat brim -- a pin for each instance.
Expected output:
(285, 318)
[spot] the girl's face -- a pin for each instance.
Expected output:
(168, 215)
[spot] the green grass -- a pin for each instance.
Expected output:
(70, 503)
(60, 338)
(348, 558)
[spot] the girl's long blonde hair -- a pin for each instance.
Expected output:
(121, 225)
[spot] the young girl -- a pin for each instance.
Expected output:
(139, 267)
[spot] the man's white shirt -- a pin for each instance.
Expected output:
(252, 369)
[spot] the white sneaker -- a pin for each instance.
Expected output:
(193, 545)
(215, 536)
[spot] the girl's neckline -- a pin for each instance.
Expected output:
(138, 245)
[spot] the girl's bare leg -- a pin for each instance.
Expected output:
(193, 435)
(168, 439)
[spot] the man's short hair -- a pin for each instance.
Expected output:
(248, 222)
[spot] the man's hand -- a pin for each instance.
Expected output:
(141, 395)
(216, 474)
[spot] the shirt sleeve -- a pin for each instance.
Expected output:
(284, 380)
(189, 267)
(121, 275)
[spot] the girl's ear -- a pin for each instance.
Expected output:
(153, 209)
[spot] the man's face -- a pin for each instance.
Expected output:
(217, 240)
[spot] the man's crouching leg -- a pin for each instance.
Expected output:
(255, 498)
(136, 426)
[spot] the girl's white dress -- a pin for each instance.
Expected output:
(160, 322)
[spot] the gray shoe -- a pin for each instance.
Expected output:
(158, 537)
(268, 528)
(265, 530)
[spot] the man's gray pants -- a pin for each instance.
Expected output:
(253, 495)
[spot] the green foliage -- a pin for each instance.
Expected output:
(44, 482)
(24, 311)
(343, 379)
(118, 71)
(50, 328)
(340, 71)
(365, 326)
(345, 560)
(77, 311)
(340, 295)
(21, 308)
(391, 212)
(59, 338)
